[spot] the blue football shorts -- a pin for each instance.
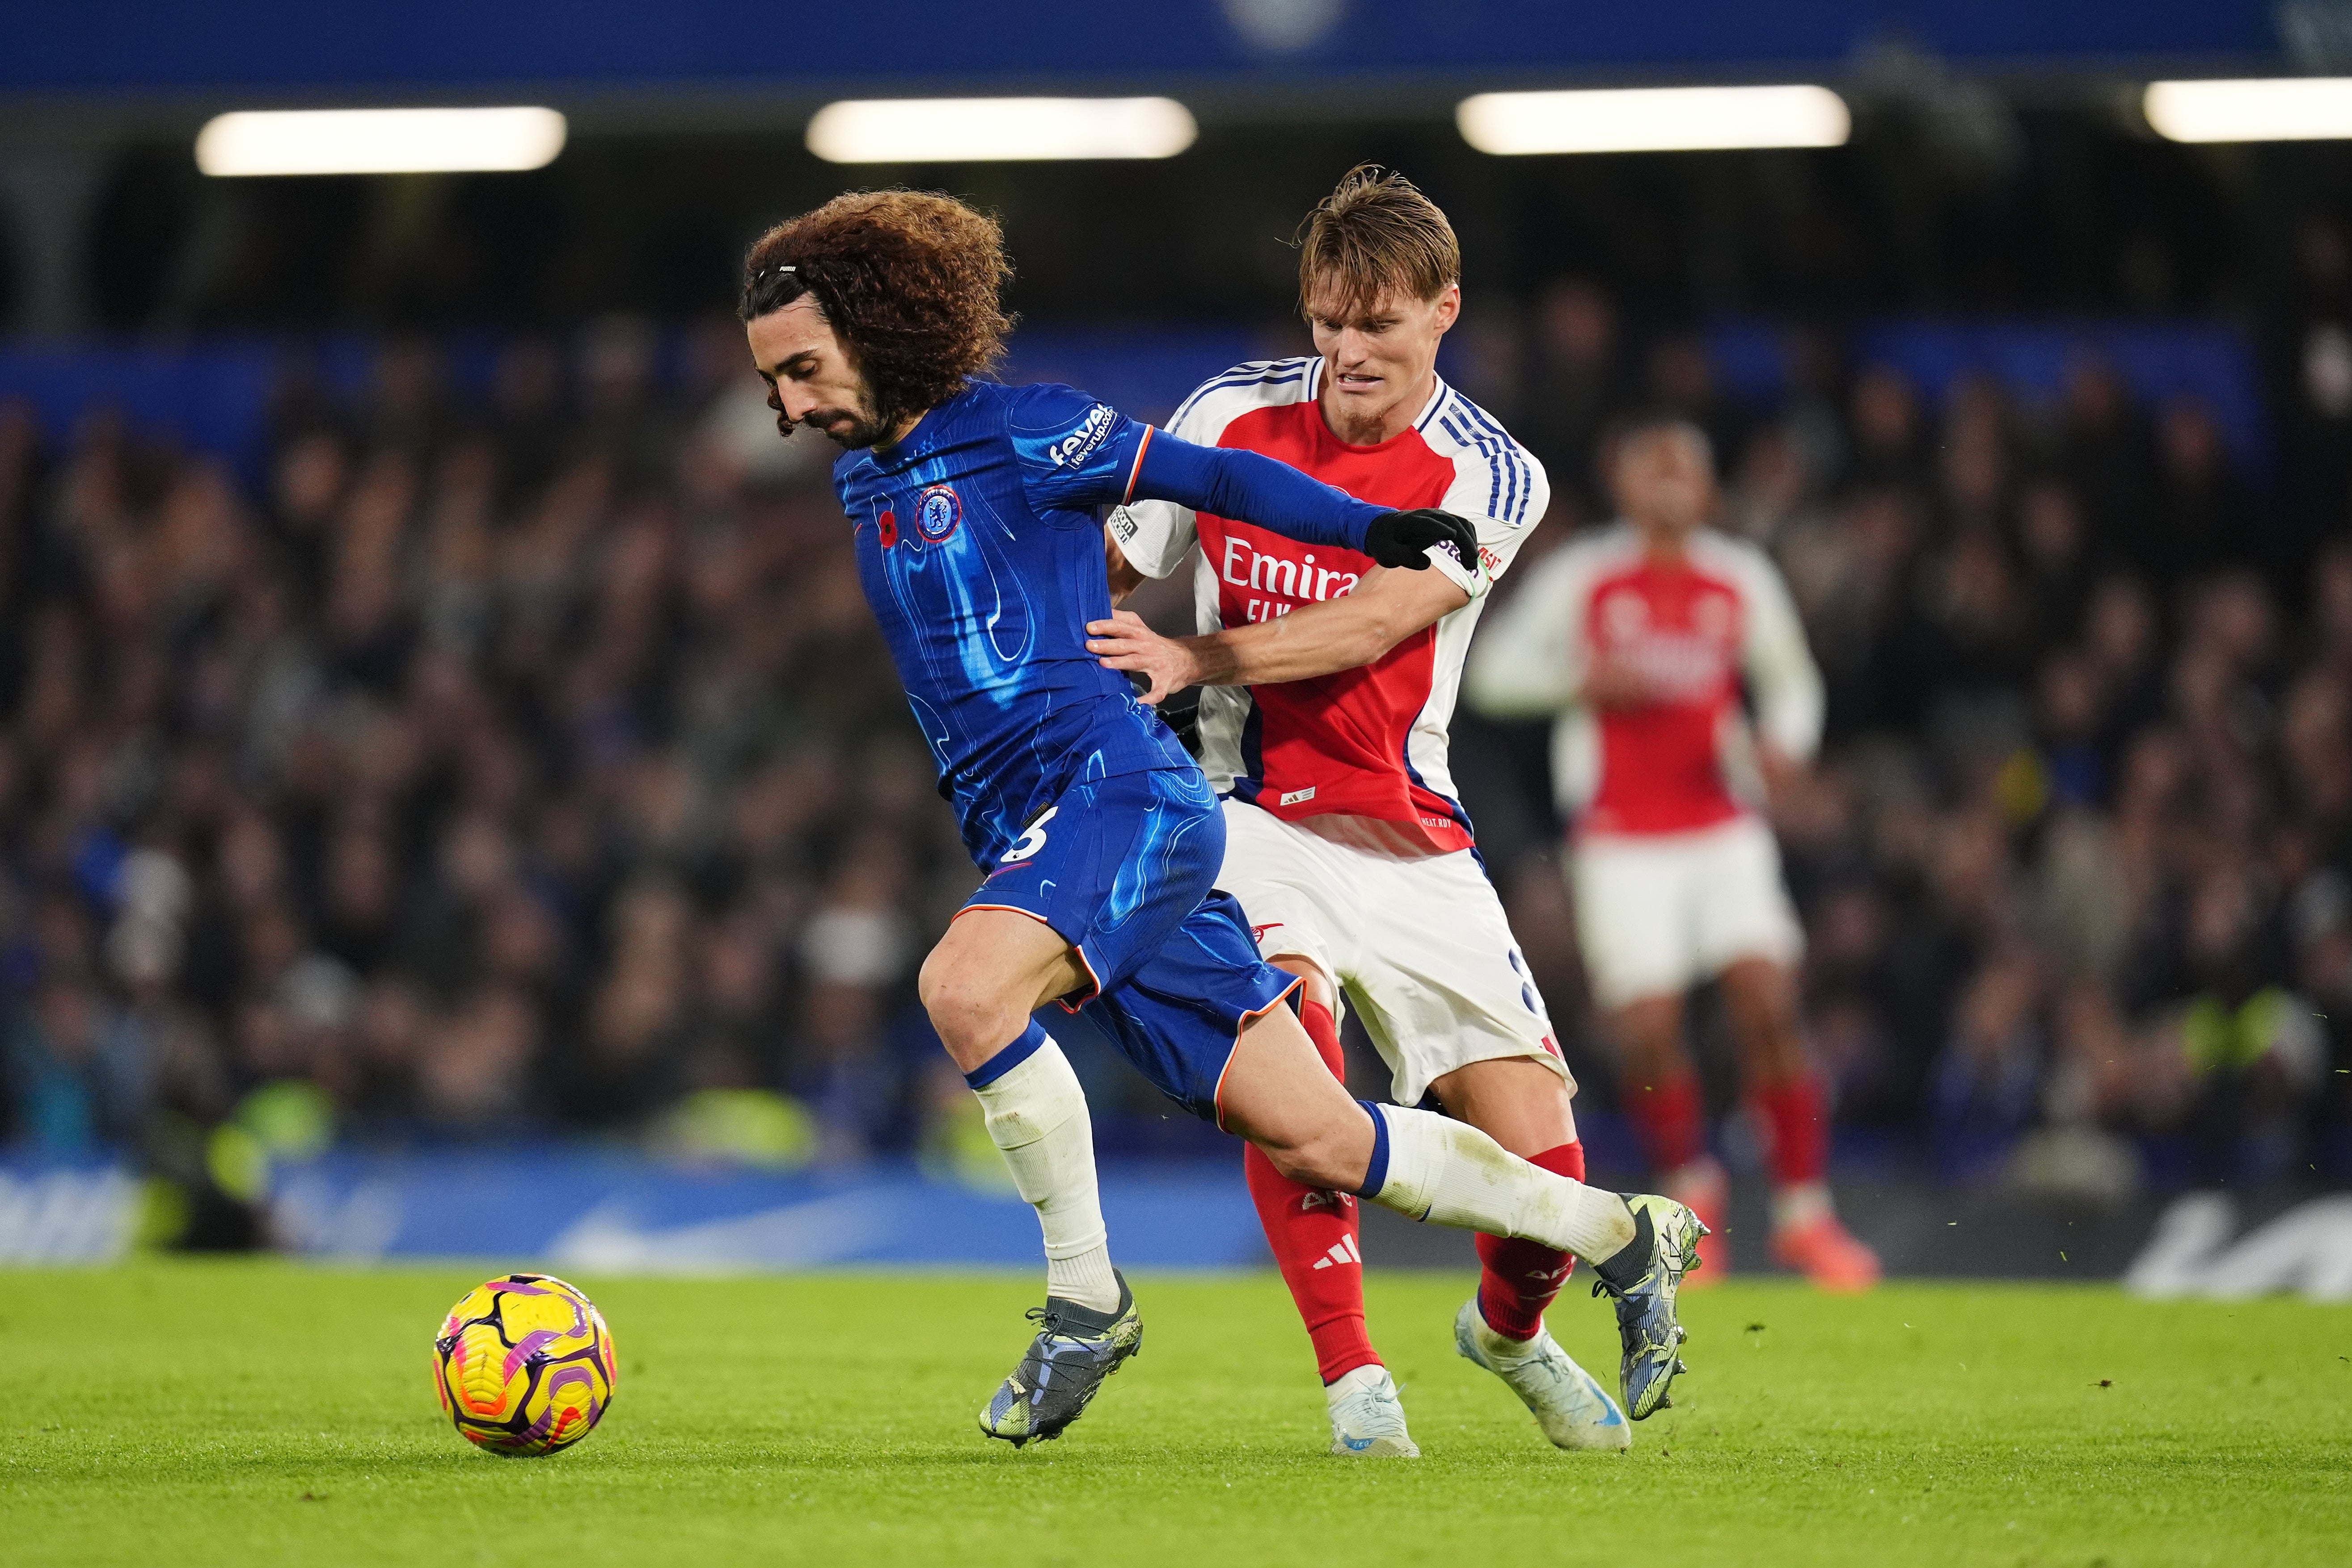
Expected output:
(1124, 869)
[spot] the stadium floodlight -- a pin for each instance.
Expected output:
(992, 130)
(2257, 108)
(378, 141)
(1653, 120)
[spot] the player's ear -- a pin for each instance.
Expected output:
(1449, 307)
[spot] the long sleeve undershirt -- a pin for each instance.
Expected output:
(1247, 487)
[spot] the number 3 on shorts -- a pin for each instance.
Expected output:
(1030, 841)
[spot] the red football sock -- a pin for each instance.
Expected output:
(1522, 1276)
(1313, 1232)
(1795, 1115)
(1670, 1120)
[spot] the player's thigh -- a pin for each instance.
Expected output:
(1295, 891)
(1744, 913)
(1279, 1096)
(1635, 898)
(1439, 978)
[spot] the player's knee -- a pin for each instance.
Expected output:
(1289, 1162)
(1321, 1159)
(967, 1007)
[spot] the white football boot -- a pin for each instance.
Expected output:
(1367, 1419)
(1572, 1408)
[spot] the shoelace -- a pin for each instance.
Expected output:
(1049, 1324)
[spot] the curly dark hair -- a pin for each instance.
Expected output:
(911, 281)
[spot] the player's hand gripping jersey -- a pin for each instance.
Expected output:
(1368, 744)
(1697, 633)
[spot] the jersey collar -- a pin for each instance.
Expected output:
(909, 447)
(1437, 401)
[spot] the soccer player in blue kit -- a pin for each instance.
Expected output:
(975, 509)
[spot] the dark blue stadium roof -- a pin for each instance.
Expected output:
(102, 46)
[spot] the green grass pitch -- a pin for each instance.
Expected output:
(248, 1413)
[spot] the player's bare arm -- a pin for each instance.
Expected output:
(1125, 577)
(1342, 633)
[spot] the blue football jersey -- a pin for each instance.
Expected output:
(981, 552)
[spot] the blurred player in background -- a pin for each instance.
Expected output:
(1640, 637)
(1328, 685)
(974, 507)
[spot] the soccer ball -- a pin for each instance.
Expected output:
(524, 1365)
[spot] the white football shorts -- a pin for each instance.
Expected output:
(1656, 914)
(1418, 946)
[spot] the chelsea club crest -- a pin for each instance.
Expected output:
(940, 514)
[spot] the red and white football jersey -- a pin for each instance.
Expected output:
(1700, 630)
(1360, 753)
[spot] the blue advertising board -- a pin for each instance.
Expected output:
(600, 1211)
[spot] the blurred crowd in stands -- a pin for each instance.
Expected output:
(2076, 861)
(527, 763)
(492, 770)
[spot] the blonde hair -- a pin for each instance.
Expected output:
(1373, 233)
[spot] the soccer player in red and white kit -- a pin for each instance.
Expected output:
(1328, 685)
(1641, 638)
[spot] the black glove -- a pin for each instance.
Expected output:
(1404, 539)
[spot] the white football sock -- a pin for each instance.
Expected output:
(1037, 1116)
(1449, 1172)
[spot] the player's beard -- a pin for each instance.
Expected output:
(852, 428)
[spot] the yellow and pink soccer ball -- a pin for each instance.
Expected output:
(524, 1365)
